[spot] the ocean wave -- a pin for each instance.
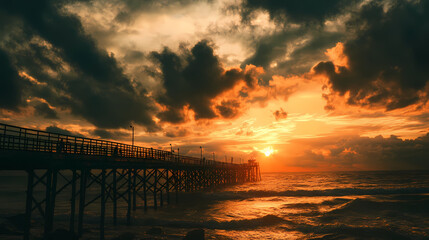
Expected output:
(311, 208)
(418, 206)
(265, 221)
(319, 231)
(234, 195)
(341, 231)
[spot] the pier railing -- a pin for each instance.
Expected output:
(25, 139)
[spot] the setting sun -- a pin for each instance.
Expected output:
(268, 151)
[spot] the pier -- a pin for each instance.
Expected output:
(137, 176)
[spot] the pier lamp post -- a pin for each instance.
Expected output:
(132, 139)
(132, 136)
(178, 153)
(171, 148)
(201, 148)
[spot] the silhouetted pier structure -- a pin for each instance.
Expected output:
(120, 171)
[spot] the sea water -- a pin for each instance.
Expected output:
(323, 205)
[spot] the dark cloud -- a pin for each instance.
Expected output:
(66, 33)
(192, 78)
(280, 114)
(304, 57)
(55, 129)
(301, 37)
(45, 111)
(173, 115)
(110, 134)
(301, 57)
(10, 84)
(133, 56)
(364, 153)
(229, 108)
(88, 80)
(297, 11)
(387, 57)
(103, 133)
(177, 132)
(107, 106)
(269, 48)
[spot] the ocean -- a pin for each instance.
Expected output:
(322, 205)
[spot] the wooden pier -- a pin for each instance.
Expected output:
(121, 172)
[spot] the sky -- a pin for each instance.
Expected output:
(299, 85)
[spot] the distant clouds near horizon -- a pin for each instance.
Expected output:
(329, 85)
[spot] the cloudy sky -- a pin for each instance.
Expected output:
(301, 85)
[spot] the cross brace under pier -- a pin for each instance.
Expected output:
(132, 187)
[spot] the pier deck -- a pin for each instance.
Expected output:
(122, 172)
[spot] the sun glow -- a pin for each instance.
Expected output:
(268, 151)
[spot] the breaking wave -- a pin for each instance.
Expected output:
(417, 206)
(340, 231)
(236, 195)
(265, 221)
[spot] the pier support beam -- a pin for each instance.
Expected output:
(73, 201)
(103, 202)
(167, 185)
(51, 190)
(129, 198)
(155, 202)
(114, 197)
(145, 189)
(82, 192)
(134, 189)
(28, 204)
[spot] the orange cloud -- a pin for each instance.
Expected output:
(337, 56)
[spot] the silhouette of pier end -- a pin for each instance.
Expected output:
(115, 173)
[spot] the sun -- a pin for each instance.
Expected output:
(268, 151)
